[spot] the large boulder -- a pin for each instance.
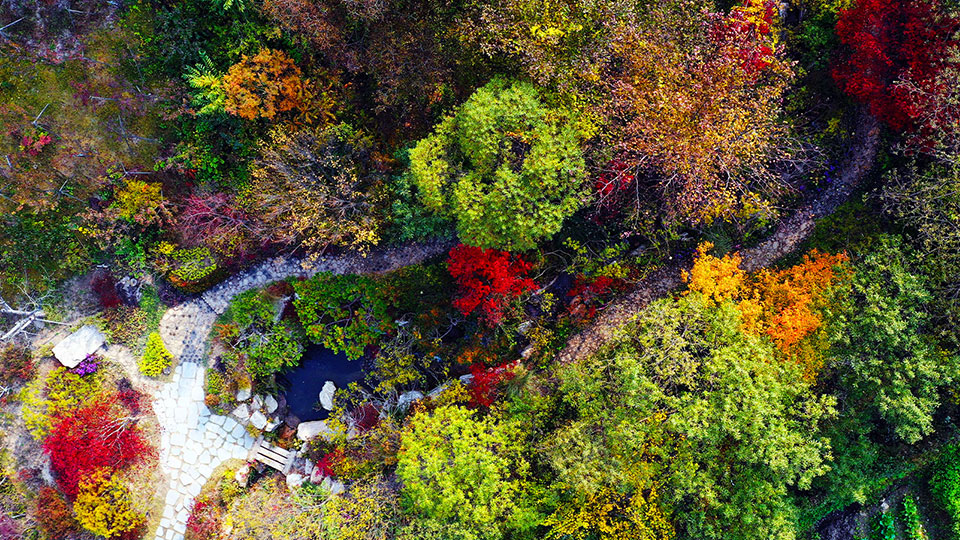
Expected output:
(271, 404)
(326, 395)
(310, 430)
(407, 398)
(258, 420)
(75, 347)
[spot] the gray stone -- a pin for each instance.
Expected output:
(407, 398)
(309, 430)
(243, 394)
(271, 404)
(242, 412)
(294, 481)
(258, 401)
(333, 486)
(75, 347)
(258, 420)
(326, 395)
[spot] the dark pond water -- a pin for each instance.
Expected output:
(303, 383)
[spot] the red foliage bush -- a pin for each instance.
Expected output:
(92, 437)
(366, 417)
(887, 41)
(16, 365)
(329, 462)
(54, 515)
(205, 520)
(611, 189)
(488, 279)
(483, 387)
(105, 286)
(214, 220)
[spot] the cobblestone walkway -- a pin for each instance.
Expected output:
(193, 442)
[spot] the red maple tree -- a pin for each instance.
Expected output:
(90, 438)
(488, 280)
(888, 41)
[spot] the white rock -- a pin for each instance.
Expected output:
(242, 412)
(407, 398)
(294, 481)
(75, 347)
(309, 430)
(243, 394)
(326, 395)
(258, 420)
(333, 486)
(271, 426)
(271, 404)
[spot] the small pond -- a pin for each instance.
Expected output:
(304, 382)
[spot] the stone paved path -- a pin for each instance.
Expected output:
(789, 235)
(193, 441)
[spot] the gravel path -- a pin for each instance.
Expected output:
(789, 235)
(193, 441)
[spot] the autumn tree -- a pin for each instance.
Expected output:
(696, 96)
(785, 305)
(488, 279)
(894, 52)
(95, 436)
(216, 221)
(105, 507)
(265, 85)
(505, 166)
(462, 475)
(684, 402)
(315, 187)
(880, 342)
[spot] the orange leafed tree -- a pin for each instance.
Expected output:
(265, 85)
(785, 304)
(697, 97)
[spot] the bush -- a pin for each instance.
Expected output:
(508, 168)
(883, 527)
(488, 279)
(910, 520)
(54, 515)
(345, 313)
(269, 345)
(16, 365)
(945, 485)
(104, 506)
(156, 358)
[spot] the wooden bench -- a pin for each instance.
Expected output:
(277, 458)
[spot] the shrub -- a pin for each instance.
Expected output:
(268, 344)
(345, 313)
(16, 365)
(104, 506)
(891, 40)
(488, 279)
(883, 527)
(105, 286)
(205, 521)
(156, 358)
(945, 485)
(910, 520)
(508, 168)
(194, 270)
(54, 515)
(264, 85)
(60, 392)
(93, 437)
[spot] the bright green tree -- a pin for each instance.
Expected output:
(684, 400)
(463, 475)
(880, 346)
(508, 168)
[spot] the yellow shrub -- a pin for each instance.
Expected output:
(104, 505)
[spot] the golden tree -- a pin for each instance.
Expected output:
(265, 85)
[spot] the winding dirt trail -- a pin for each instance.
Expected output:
(857, 162)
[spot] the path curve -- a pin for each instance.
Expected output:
(857, 162)
(193, 442)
